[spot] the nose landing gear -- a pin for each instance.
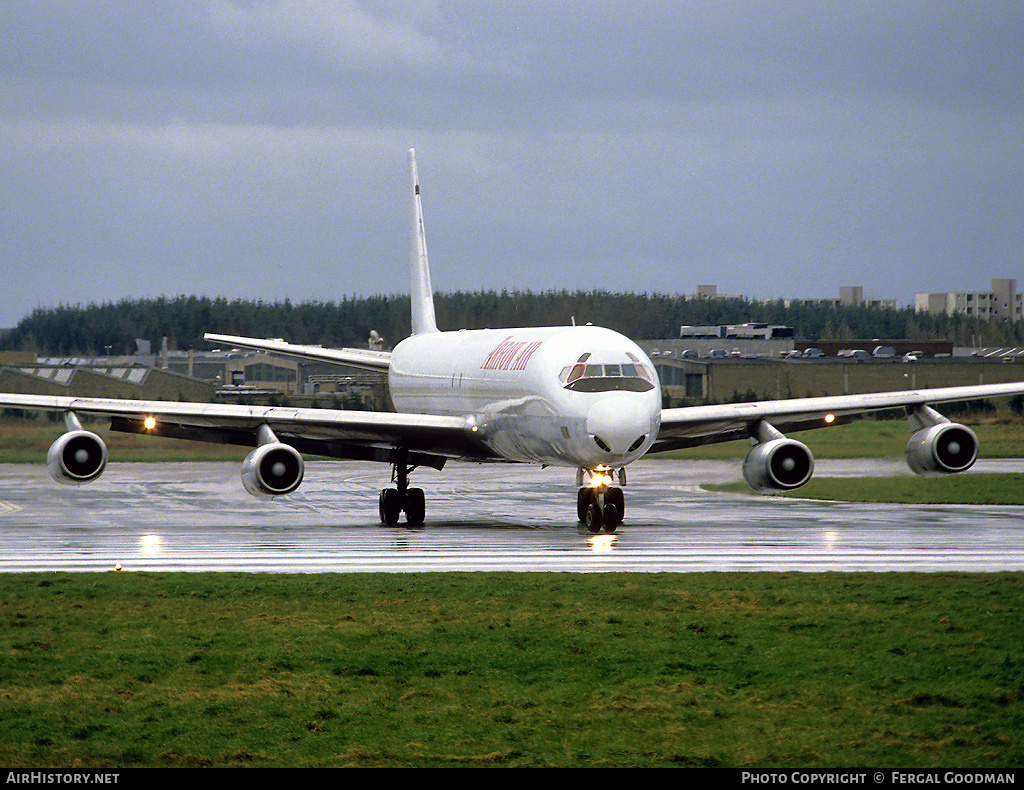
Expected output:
(600, 505)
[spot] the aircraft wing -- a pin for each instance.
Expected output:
(359, 435)
(378, 361)
(697, 425)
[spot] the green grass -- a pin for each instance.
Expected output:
(871, 439)
(27, 442)
(963, 489)
(901, 670)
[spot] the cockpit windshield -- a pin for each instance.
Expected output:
(586, 376)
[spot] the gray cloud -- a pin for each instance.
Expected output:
(258, 148)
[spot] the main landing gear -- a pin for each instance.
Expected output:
(600, 505)
(394, 501)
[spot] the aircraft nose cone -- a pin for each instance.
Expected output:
(619, 425)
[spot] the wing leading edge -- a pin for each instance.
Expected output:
(365, 359)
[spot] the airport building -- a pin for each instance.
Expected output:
(1002, 303)
(87, 378)
(230, 375)
(694, 380)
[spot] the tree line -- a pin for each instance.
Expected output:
(113, 327)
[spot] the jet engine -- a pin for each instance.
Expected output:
(272, 469)
(942, 449)
(778, 465)
(78, 456)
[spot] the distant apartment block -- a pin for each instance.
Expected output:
(849, 296)
(1002, 303)
(711, 292)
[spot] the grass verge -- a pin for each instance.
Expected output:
(963, 489)
(512, 669)
(27, 442)
(870, 439)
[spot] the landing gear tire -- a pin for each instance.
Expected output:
(415, 507)
(599, 511)
(390, 506)
(582, 500)
(394, 501)
(614, 499)
(611, 517)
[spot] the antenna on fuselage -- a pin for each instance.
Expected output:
(422, 294)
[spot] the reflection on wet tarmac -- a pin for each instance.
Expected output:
(196, 517)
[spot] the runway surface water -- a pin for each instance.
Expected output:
(197, 517)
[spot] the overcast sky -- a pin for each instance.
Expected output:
(257, 148)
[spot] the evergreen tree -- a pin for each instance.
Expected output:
(69, 330)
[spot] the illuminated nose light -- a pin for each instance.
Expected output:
(149, 423)
(829, 419)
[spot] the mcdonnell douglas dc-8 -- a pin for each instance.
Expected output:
(581, 397)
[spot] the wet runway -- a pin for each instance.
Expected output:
(197, 517)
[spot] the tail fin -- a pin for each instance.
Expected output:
(423, 320)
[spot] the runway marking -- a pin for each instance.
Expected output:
(6, 508)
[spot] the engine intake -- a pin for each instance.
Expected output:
(778, 465)
(943, 449)
(77, 457)
(271, 470)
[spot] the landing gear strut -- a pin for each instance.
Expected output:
(393, 501)
(600, 505)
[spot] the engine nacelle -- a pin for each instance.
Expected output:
(77, 457)
(272, 470)
(942, 449)
(778, 465)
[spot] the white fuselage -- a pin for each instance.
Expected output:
(572, 396)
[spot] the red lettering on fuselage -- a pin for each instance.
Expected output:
(510, 355)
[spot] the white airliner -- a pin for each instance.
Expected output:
(581, 397)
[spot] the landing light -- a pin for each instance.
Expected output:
(829, 419)
(149, 423)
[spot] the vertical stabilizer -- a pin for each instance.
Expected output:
(422, 294)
